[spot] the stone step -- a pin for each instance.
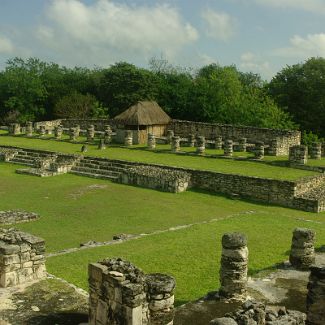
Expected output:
(99, 176)
(33, 154)
(96, 171)
(103, 163)
(101, 167)
(22, 162)
(19, 156)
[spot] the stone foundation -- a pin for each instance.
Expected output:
(302, 253)
(21, 257)
(233, 271)
(316, 296)
(120, 293)
(11, 216)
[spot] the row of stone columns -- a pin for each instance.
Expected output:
(234, 266)
(298, 155)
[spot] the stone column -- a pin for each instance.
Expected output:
(42, 130)
(228, 148)
(58, 130)
(242, 143)
(274, 147)
(161, 298)
(259, 150)
(90, 133)
(14, 129)
(108, 134)
(151, 141)
(29, 129)
(218, 142)
(21, 258)
(170, 134)
(234, 261)
(77, 130)
(316, 296)
(175, 143)
(101, 144)
(128, 139)
(302, 253)
(191, 140)
(298, 155)
(316, 151)
(120, 293)
(200, 145)
(72, 134)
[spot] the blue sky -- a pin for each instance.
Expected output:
(261, 36)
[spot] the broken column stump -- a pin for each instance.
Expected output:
(234, 265)
(302, 254)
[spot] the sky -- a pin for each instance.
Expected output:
(260, 36)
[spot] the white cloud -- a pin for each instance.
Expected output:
(219, 25)
(312, 45)
(6, 45)
(251, 62)
(106, 31)
(315, 6)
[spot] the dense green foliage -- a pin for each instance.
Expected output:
(300, 90)
(35, 90)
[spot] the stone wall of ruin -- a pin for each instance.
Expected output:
(156, 178)
(21, 258)
(286, 138)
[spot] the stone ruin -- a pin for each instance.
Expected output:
(257, 313)
(234, 266)
(156, 178)
(120, 293)
(12, 216)
(316, 296)
(21, 257)
(298, 155)
(233, 278)
(302, 254)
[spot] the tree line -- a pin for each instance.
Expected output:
(33, 90)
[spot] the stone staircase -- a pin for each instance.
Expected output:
(27, 157)
(99, 168)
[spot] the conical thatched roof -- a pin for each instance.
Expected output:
(143, 113)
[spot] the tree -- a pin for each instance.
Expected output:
(300, 90)
(76, 105)
(124, 84)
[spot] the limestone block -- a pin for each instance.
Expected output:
(8, 279)
(156, 305)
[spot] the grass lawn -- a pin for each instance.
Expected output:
(162, 155)
(192, 255)
(77, 209)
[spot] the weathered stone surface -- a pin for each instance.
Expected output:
(233, 270)
(259, 150)
(316, 150)
(316, 296)
(228, 148)
(120, 293)
(242, 143)
(128, 139)
(302, 253)
(17, 263)
(151, 141)
(12, 216)
(200, 145)
(218, 142)
(223, 321)
(298, 155)
(175, 143)
(170, 134)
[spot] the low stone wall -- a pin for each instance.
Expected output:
(11, 216)
(48, 125)
(21, 257)
(285, 138)
(156, 178)
(120, 293)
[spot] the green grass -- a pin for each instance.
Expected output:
(163, 156)
(192, 255)
(77, 209)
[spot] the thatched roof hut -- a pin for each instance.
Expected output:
(143, 113)
(142, 118)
